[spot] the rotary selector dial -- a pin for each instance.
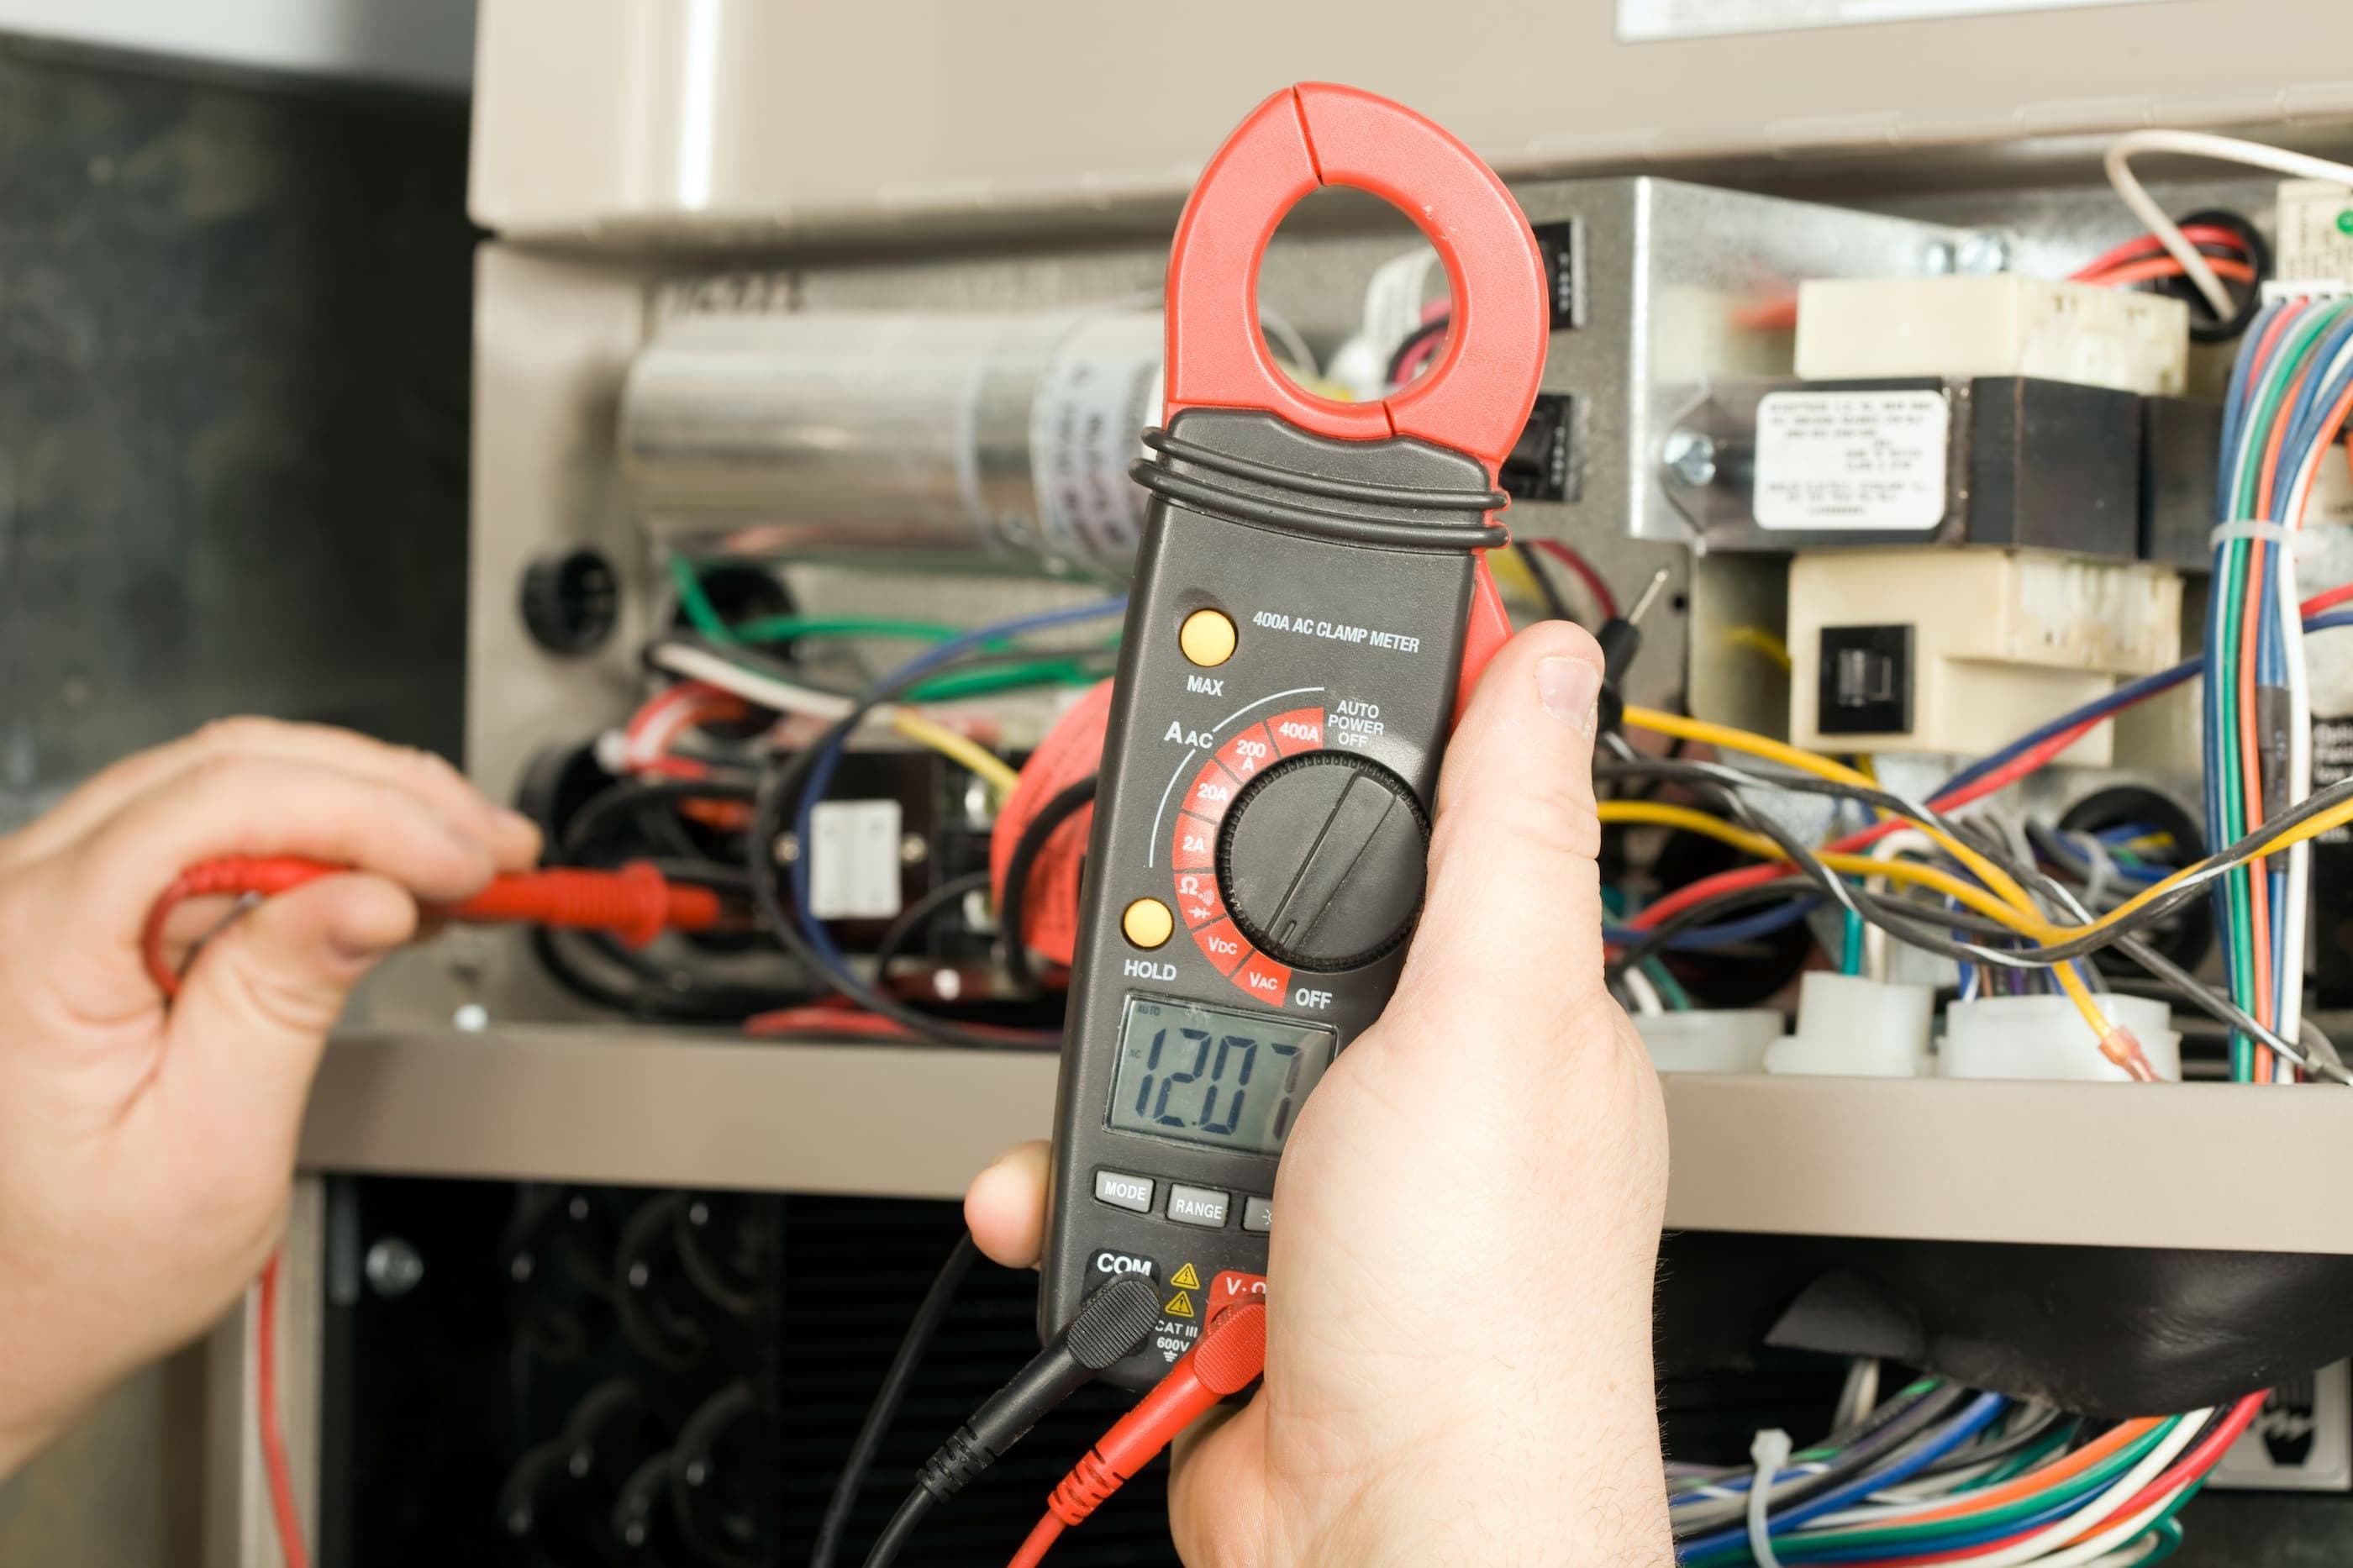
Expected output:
(1321, 860)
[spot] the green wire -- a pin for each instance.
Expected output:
(783, 628)
(700, 611)
(1671, 990)
(705, 617)
(1851, 954)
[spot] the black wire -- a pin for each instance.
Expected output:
(1889, 1427)
(741, 655)
(921, 1330)
(917, 917)
(1707, 911)
(599, 811)
(1414, 340)
(1555, 607)
(900, 1531)
(1012, 909)
(662, 998)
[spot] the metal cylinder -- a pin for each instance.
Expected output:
(928, 439)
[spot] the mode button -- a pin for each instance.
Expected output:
(1124, 1192)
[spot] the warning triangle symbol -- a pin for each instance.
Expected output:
(1187, 1280)
(1180, 1305)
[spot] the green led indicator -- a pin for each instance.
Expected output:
(2345, 221)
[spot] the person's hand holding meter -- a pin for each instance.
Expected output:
(145, 1152)
(1458, 1366)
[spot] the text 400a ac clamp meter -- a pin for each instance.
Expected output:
(1309, 603)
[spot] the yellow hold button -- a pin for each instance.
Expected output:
(1147, 922)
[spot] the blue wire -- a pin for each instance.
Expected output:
(1974, 1418)
(820, 774)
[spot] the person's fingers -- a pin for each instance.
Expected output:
(252, 805)
(511, 838)
(1005, 1208)
(256, 1007)
(1515, 892)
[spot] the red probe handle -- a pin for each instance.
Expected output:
(636, 903)
(1318, 134)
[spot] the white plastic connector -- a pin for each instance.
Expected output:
(2045, 1038)
(2007, 324)
(1851, 1027)
(1711, 1040)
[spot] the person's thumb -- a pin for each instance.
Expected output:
(253, 1012)
(1512, 920)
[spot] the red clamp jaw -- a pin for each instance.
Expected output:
(1475, 399)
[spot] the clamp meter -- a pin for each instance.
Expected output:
(1310, 605)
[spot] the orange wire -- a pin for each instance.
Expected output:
(2036, 1481)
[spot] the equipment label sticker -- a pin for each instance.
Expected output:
(1094, 399)
(1851, 461)
(1651, 21)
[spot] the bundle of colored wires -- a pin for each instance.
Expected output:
(2289, 399)
(1941, 1474)
(796, 781)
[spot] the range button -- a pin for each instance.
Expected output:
(1204, 1207)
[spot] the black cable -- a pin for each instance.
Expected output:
(1888, 1428)
(1656, 941)
(2003, 1446)
(1108, 1327)
(671, 1004)
(900, 1531)
(917, 917)
(1414, 340)
(629, 796)
(921, 1330)
(1014, 906)
(1555, 607)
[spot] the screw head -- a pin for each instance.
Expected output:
(392, 1268)
(1983, 254)
(913, 850)
(1689, 458)
(470, 1019)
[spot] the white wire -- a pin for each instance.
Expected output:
(782, 696)
(2113, 1538)
(2224, 149)
(1906, 841)
(1303, 358)
(1642, 993)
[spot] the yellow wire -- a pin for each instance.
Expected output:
(1726, 737)
(991, 769)
(1764, 642)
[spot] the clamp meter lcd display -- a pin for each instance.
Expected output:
(1309, 606)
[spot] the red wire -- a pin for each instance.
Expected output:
(2165, 266)
(2149, 245)
(291, 1543)
(1039, 1541)
(1595, 583)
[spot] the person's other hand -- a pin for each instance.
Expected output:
(1458, 1364)
(145, 1153)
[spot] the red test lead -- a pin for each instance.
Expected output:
(1228, 1356)
(636, 903)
